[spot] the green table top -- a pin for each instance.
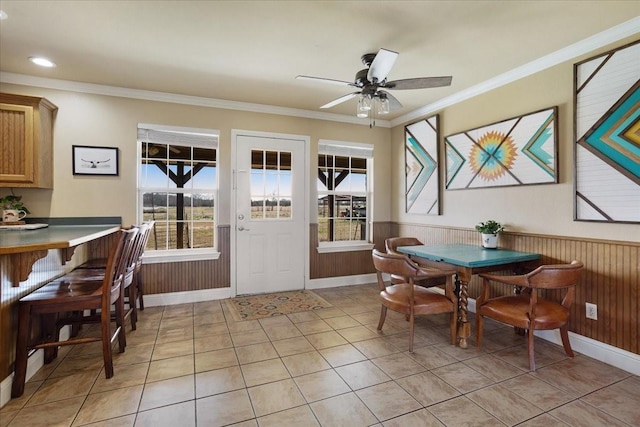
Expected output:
(468, 255)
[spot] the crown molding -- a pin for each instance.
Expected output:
(601, 39)
(96, 89)
(612, 35)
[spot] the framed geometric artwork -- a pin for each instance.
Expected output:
(422, 176)
(519, 151)
(607, 136)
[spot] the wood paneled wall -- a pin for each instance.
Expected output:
(43, 271)
(192, 275)
(343, 263)
(611, 279)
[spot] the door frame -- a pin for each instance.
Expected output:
(235, 133)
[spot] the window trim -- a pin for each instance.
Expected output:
(350, 149)
(197, 137)
(179, 255)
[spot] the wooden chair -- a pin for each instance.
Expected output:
(527, 310)
(410, 299)
(138, 267)
(94, 270)
(63, 296)
(391, 245)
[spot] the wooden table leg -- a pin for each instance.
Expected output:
(464, 328)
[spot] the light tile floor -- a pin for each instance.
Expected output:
(190, 365)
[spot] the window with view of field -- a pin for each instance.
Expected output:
(270, 184)
(343, 192)
(177, 188)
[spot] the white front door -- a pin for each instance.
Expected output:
(270, 244)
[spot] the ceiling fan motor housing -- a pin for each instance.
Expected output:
(367, 59)
(361, 78)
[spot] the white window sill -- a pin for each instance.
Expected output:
(326, 248)
(152, 257)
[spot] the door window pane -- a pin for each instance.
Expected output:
(271, 185)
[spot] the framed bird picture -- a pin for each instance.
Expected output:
(89, 160)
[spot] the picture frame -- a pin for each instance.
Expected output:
(422, 166)
(606, 136)
(522, 150)
(91, 160)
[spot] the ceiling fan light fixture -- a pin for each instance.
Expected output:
(363, 107)
(383, 105)
(365, 103)
(360, 112)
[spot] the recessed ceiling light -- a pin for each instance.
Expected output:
(43, 62)
(3, 15)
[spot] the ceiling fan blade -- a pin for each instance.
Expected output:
(323, 80)
(340, 100)
(394, 104)
(419, 83)
(381, 65)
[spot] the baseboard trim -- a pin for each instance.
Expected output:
(614, 356)
(34, 363)
(605, 353)
(334, 282)
(186, 297)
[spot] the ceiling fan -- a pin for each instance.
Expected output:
(373, 80)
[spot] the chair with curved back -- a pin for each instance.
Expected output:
(94, 270)
(527, 310)
(65, 296)
(409, 298)
(138, 266)
(393, 243)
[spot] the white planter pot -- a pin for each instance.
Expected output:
(490, 241)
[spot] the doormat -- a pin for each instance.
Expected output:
(267, 305)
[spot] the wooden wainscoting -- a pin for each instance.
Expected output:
(44, 270)
(338, 264)
(611, 279)
(192, 275)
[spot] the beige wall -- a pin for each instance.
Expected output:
(85, 119)
(540, 209)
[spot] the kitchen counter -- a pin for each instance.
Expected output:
(25, 247)
(52, 237)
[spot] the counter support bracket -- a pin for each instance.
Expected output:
(22, 265)
(66, 254)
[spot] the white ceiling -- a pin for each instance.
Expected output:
(251, 51)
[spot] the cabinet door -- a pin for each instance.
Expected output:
(16, 144)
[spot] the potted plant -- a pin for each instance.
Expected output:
(490, 230)
(13, 209)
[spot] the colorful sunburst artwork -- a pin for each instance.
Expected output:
(517, 151)
(493, 155)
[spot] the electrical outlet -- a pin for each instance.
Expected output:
(592, 311)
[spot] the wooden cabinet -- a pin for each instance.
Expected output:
(26, 141)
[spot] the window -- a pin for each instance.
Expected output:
(270, 184)
(178, 188)
(344, 200)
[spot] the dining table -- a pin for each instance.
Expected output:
(468, 260)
